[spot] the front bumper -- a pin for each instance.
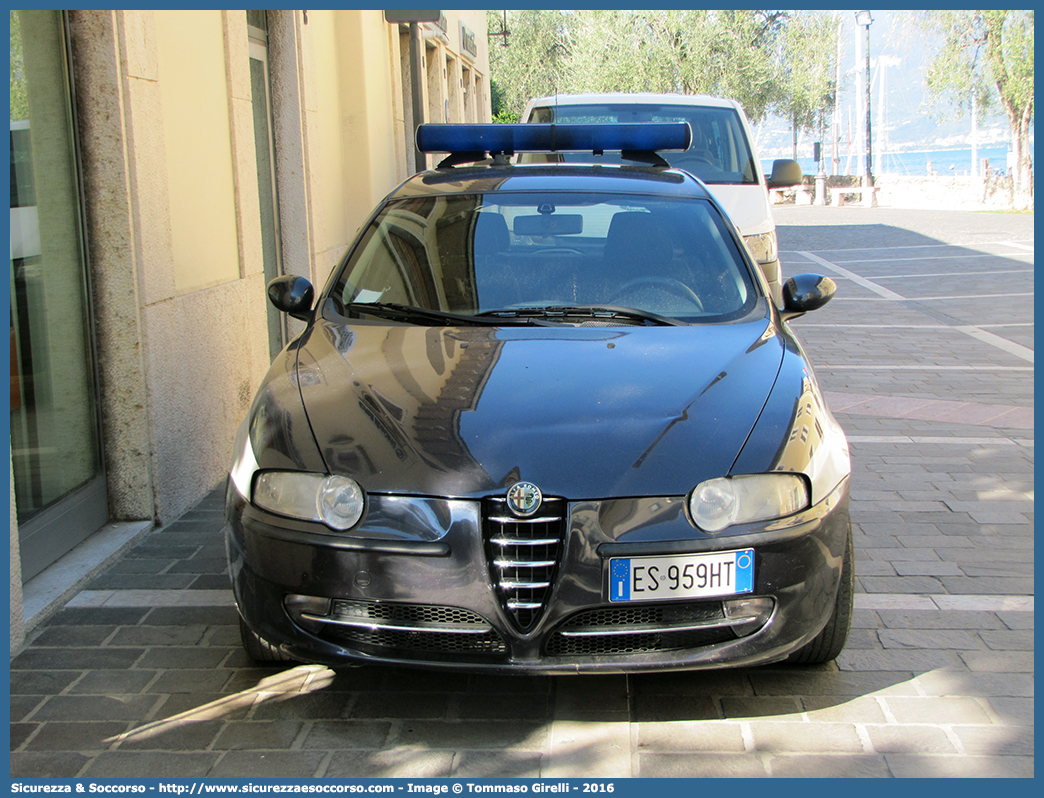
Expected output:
(433, 600)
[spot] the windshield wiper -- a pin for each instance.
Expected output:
(411, 313)
(566, 313)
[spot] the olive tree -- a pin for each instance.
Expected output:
(535, 61)
(724, 53)
(805, 81)
(989, 53)
(616, 51)
(730, 54)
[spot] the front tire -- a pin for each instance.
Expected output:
(259, 649)
(828, 644)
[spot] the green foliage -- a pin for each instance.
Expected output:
(1008, 50)
(729, 54)
(534, 62)
(989, 54)
(724, 53)
(806, 76)
(956, 72)
(740, 54)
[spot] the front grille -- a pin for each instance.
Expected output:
(420, 615)
(638, 629)
(523, 556)
(404, 643)
(404, 629)
(652, 615)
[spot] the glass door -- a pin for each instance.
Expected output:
(55, 433)
(264, 149)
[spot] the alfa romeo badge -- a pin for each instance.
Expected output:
(524, 498)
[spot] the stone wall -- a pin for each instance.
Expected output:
(945, 192)
(937, 192)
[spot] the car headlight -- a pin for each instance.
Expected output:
(332, 500)
(724, 501)
(762, 246)
(244, 465)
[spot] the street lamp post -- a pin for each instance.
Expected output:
(863, 18)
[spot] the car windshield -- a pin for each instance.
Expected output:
(719, 154)
(472, 254)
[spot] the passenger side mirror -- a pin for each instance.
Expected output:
(293, 295)
(805, 292)
(785, 172)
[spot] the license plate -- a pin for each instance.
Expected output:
(723, 573)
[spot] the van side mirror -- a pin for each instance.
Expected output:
(292, 295)
(785, 172)
(805, 292)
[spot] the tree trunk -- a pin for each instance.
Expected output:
(1024, 165)
(1022, 172)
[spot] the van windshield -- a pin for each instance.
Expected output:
(720, 153)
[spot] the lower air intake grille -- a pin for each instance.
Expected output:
(410, 628)
(428, 642)
(523, 555)
(639, 629)
(420, 615)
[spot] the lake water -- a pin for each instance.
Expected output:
(945, 162)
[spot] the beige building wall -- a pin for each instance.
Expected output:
(356, 60)
(165, 110)
(195, 110)
(182, 237)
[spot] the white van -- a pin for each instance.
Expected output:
(722, 155)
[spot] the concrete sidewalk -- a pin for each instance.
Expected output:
(141, 674)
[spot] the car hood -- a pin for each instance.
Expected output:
(583, 412)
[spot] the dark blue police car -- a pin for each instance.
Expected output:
(543, 418)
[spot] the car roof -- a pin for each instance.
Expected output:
(635, 98)
(595, 178)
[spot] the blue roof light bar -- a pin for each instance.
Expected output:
(530, 137)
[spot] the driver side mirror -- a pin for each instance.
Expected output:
(805, 292)
(292, 295)
(785, 172)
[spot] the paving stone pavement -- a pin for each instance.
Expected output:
(926, 354)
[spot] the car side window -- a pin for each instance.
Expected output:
(391, 265)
